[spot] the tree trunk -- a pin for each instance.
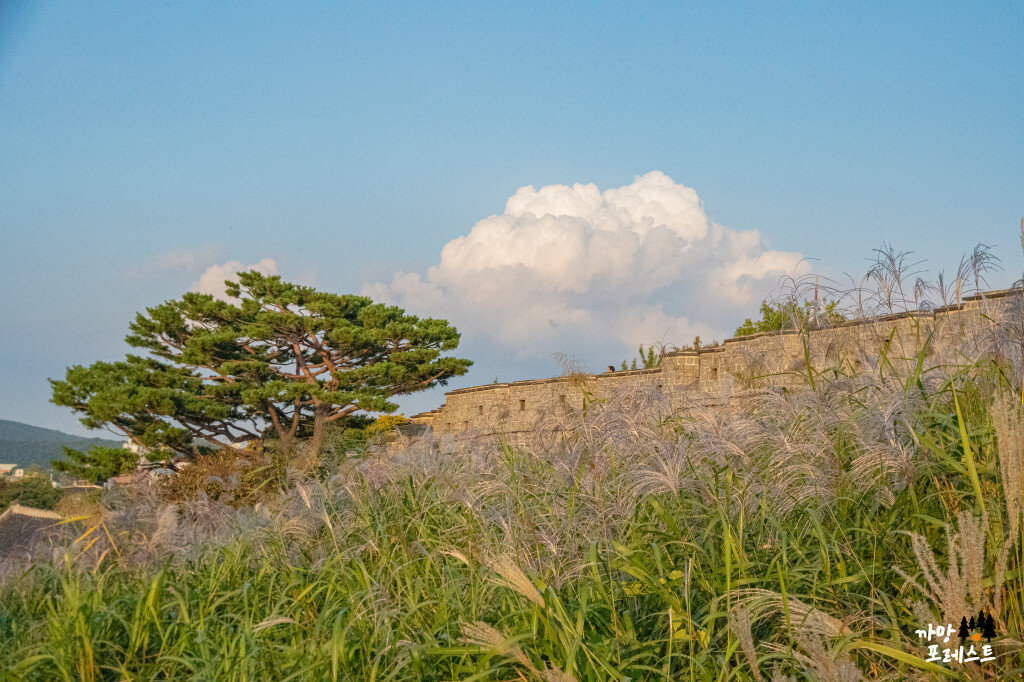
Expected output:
(285, 439)
(311, 455)
(286, 442)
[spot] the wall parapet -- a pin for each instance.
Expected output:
(753, 362)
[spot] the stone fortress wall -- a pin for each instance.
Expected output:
(739, 366)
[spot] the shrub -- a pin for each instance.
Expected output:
(790, 315)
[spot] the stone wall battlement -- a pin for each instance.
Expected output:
(739, 365)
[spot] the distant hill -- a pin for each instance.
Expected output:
(25, 445)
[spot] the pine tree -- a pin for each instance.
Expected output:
(965, 630)
(284, 361)
(98, 464)
(989, 630)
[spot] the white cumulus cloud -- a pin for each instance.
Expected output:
(566, 268)
(212, 281)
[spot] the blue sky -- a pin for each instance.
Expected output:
(142, 144)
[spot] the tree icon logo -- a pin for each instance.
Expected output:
(974, 630)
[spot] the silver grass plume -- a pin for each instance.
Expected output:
(514, 579)
(739, 623)
(827, 664)
(760, 603)
(778, 676)
(483, 635)
(1010, 439)
(959, 589)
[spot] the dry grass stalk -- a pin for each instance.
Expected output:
(483, 635)
(760, 603)
(514, 579)
(778, 676)
(271, 622)
(828, 665)
(959, 589)
(1009, 430)
(739, 623)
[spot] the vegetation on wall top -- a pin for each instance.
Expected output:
(791, 315)
(648, 359)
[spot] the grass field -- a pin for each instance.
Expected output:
(803, 535)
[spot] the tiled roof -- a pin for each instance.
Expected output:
(22, 527)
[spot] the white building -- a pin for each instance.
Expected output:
(135, 447)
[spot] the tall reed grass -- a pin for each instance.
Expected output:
(796, 534)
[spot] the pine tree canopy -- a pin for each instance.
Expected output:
(282, 360)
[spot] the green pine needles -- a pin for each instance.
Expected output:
(282, 361)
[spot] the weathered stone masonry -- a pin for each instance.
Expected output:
(749, 362)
